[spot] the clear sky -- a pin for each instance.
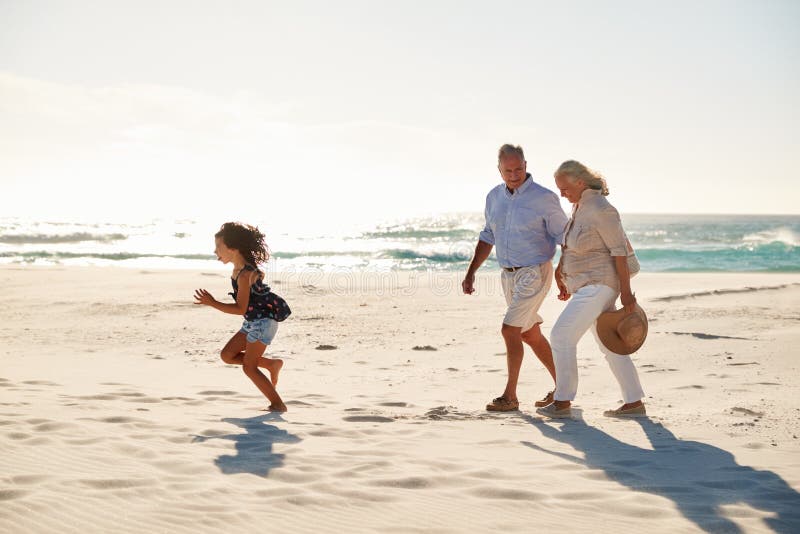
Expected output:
(370, 109)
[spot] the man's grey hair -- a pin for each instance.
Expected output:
(510, 150)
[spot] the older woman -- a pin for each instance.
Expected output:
(593, 271)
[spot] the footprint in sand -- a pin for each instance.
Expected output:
(9, 494)
(745, 411)
(703, 335)
(122, 420)
(117, 483)
(405, 483)
(26, 480)
(508, 494)
(335, 433)
(368, 419)
(95, 397)
(451, 413)
(298, 403)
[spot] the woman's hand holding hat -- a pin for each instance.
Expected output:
(628, 302)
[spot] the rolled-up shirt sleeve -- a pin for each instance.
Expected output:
(486, 235)
(555, 219)
(609, 226)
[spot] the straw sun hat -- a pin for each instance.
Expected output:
(622, 333)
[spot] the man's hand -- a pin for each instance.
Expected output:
(201, 296)
(482, 251)
(468, 285)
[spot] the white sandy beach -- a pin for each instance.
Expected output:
(117, 415)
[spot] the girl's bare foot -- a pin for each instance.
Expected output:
(274, 370)
(277, 407)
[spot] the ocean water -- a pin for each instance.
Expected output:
(664, 243)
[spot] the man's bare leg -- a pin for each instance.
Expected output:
(541, 347)
(514, 354)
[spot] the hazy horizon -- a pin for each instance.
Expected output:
(361, 112)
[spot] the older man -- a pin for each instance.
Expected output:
(524, 221)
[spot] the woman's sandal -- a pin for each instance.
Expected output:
(636, 411)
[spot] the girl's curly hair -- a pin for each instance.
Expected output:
(247, 239)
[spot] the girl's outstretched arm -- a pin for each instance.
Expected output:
(203, 297)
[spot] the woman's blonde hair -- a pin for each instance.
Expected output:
(576, 170)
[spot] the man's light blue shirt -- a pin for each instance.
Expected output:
(524, 226)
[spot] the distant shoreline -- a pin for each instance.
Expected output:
(445, 242)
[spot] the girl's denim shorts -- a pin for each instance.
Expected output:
(262, 330)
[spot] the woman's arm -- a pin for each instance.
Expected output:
(626, 296)
(563, 294)
(246, 279)
(609, 226)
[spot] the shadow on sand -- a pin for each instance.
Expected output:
(697, 477)
(253, 448)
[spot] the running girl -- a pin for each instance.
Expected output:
(243, 246)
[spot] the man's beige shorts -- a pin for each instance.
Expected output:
(525, 290)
